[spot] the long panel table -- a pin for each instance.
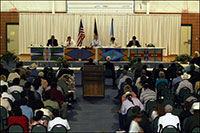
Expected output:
(97, 54)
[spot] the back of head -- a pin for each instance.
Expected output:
(136, 109)
(160, 66)
(134, 37)
(56, 113)
(126, 67)
(54, 85)
(38, 115)
(129, 81)
(16, 81)
(17, 71)
(3, 77)
(4, 88)
(168, 108)
(139, 60)
(18, 65)
(161, 74)
(17, 111)
(124, 72)
(90, 60)
(24, 101)
(112, 39)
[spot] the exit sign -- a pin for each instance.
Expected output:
(185, 11)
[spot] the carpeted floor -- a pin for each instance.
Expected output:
(94, 114)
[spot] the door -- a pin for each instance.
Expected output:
(186, 39)
(12, 37)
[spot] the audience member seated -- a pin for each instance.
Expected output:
(26, 110)
(140, 80)
(110, 66)
(195, 76)
(90, 62)
(23, 80)
(45, 111)
(171, 71)
(148, 73)
(128, 93)
(33, 70)
(58, 120)
(196, 59)
(3, 70)
(147, 94)
(18, 118)
(156, 71)
(50, 102)
(194, 120)
(59, 96)
(44, 82)
(15, 86)
(5, 104)
(168, 119)
(123, 79)
(185, 83)
(3, 80)
(185, 113)
(134, 126)
(161, 79)
(187, 68)
(22, 70)
(137, 68)
(159, 111)
(5, 94)
(178, 79)
(129, 82)
(14, 74)
(64, 70)
(37, 120)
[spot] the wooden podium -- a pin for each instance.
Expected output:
(93, 81)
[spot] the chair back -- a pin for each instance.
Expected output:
(162, 88)
(47, 118)
(151, 104)
(155, 124)
(169, 129)
(49, 108)
(16, 95)
(168, 101)
(59, 129)
(196, 130)
(184, 91)
(15, 128)
(3, 113)
(39, 129)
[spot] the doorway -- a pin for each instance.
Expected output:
(12, 37)
(186, 39)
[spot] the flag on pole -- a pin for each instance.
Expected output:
(111, 29)
(95, 29)
(81, 34)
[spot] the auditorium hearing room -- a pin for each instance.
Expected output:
(99, 66)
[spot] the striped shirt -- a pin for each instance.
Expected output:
(147, 95)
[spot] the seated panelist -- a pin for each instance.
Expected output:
(52, 42)
(134, 42)
(96, 43)
(112, 42)
(69, 42)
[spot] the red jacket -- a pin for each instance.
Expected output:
(21, 120)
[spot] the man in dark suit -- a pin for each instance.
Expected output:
(53, 42)
(134, 42)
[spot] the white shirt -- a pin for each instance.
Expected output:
(123, 79)
(168, 119)
(7, 95)
(45, 111)
(184, 83)
(5, 104)
(12, 76)
(96, 43)
(2, 83)
(127, 104)
(56, 121)
(15, 88)
(70, 44)
(134, 127)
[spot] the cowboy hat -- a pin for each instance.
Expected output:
(185, 76)
(33, 66)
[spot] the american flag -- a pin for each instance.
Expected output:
(81, 34)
